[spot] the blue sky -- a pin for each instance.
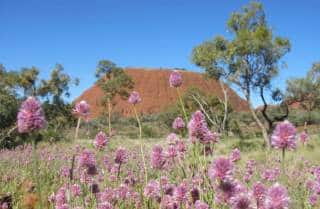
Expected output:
(140, 33)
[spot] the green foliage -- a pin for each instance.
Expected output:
(113, 80)
(250, 58)
(195, 99)
(57, 86)
(15, 86)
(299, 117)
(306, 91)
(149, 132)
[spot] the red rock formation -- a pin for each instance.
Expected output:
(157, 95)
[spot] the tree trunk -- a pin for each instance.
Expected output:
(225, 102)
(259, 123)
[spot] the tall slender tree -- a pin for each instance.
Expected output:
(251, 58)
(306, 91)
(114, 81)
(210, 56)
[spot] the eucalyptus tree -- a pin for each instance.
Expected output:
(57, 87)
(249, 58)
(306, 91)
(113, 81)
(54, 91)
(210, 55)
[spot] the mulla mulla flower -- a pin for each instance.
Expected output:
(121, 156)
(259, 192)
(134, 98)
(30, 116)
(277, 197)
(101, 140)
(242, 201)
(178, 123)
(175, 79)
(82, 109)
(235, 155)
(284, 136)
(158, 158)
(304, 137)
(198, 129)
(200, 205)
(220, 169)
(152, 189)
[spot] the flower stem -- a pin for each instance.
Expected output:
(109, 116)
(77, 129)
(182, 106)
(141, 144)
(36, 168)
(283, 160)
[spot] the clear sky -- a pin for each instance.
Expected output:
(140, 33)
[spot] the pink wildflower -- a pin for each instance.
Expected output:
(30, 116)
(178, 123)
(277, 197)
(152, 189)
(157, 157)
(235, 155)
(284, 136)
(82, 109)
(175, 79)
(134, 98)
(101, 140)
(201, 205)
(220, 169)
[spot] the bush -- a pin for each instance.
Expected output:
(149, 132)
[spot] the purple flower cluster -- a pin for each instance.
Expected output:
(152, 190)
(198, 129)
(178, 124)
(161, 159)
(220, 169)
(157, 157)
(172, 138)
(304, 137)
(313, 186)
(259, 193)
(271, 174)
(284, 136)
(101, 140)
(175, 79)
(242, 201)
(249, 170)
(134, 98)
(121, 156)
(82, 109)
(235, 155)
(87, 161)
(30, 116)
(277, 197)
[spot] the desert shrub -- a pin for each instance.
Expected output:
(299, 117)
(149, 132)
(8, 109)
(168, 116)
(8, 113)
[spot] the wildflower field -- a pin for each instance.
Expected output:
(176, 178)
(193, 167)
